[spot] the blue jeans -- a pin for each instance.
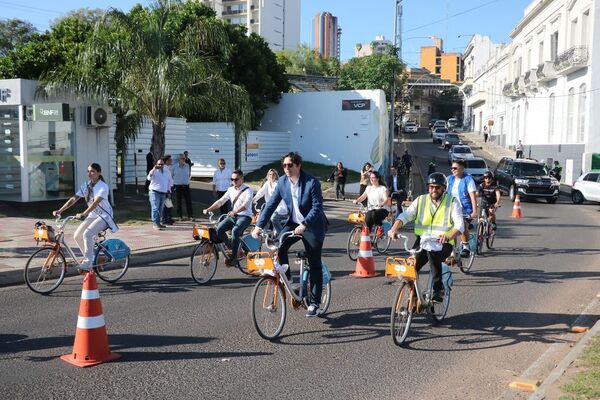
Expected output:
(237, 225)
(277, 220)
(157, 202)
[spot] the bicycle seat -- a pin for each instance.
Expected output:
(301, 254)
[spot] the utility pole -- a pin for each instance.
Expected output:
(398, 50)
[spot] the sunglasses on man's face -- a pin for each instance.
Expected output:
(235, 179)
(453, 168)
(288, 165)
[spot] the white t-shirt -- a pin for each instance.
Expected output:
(104, 209)
(245, 198)
(470, 187)
(376, 196)
(222, 179)
(297, 216)
(266, 191)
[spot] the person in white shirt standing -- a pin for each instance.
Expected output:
(97, 217)
(160, 182)
(221, 184)
(240, 216)
(166, 216)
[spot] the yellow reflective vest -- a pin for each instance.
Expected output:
(439, 222)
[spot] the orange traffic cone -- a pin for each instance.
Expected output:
(516, 212)
(365, 265)
(91, 340)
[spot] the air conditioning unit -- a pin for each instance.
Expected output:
(98, 116)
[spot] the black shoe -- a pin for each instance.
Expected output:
(438, 296)
(230, 262)
(312, 311)
(465, 252)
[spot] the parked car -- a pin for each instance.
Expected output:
(586, 187)
(410, 127)
(439, 134)
(476, 167)
(453, 124)
(459, 151)
(451, 139)
(527, 178)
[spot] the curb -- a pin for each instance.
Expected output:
(137, 259)
(565, 363)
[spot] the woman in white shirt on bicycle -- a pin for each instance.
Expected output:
(377, 202)
(281, 212)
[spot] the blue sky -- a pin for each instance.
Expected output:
(361, 20)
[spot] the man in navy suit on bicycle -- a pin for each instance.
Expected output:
(302, 195)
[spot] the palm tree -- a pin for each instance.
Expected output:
(151, 63)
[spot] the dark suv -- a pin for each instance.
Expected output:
(527, 178)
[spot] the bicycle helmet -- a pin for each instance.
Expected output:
(488, 174)
(437, 178)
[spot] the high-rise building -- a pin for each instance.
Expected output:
(277, 21)
(327, 34)
(378, 46)
(444, 65)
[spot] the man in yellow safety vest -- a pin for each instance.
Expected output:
(438, 221)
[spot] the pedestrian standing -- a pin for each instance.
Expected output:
(149, 166)
(407, 161)
(485, 134)
(188, 161)
(167, 217)
(338, 176)
(365, 174)
(160, 180)
(396, 186)
(519, 149)
(221, 182)
(181, 185)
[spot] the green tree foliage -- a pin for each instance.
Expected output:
(14, 32)
(372, 72)
(448, 104)
(158, 63)
(304, 61)
(252, 65)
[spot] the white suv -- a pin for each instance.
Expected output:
(586, 187)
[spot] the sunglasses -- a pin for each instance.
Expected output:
(288, 165)
(159, 165)
(453, 168)
(235, 179)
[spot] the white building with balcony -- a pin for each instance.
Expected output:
(541, 87)
(277, 21)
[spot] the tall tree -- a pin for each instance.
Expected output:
(14, 32)
(305, 61)
(156, 70)
(376, 71)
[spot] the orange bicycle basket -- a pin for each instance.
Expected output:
(260, 261)
(357, 218)
(200, 232)
(401, 267)
(43, 232)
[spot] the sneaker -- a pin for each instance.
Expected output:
(85, 267)
(230, 262)
(157, 227)
(494, 226)
(312, 311)
(379, 231)
(438, 296)
(161, 226)
(465, 252)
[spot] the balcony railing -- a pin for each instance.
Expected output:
(530, 79)
(575, 58)
(234, 12)
(546, 72)
(509, 90)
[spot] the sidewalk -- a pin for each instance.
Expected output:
(147, 245)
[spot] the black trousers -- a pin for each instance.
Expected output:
(361, 190)
(183, 193)
(313, 247)
(435, 259)
(375, 217)
(225, 207)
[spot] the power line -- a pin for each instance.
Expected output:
(29, 8)
(451, 16)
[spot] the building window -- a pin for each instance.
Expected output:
(570, 116)
(541, 52)
(581, 119)
(551, 106)
(10, 176)
(584, 27)
(554, 46)
(574, 32)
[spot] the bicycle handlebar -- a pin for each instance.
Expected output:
(411, 251)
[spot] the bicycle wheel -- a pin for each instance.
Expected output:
(242, 262)
(382, 244)
(466, 265)
(45, 270)
(325, 298)
(268, 308)
(203, 263)
(489, 240)
(354, 243)
(402, 312)
(439, 310)
(480, 238)
(107, 267)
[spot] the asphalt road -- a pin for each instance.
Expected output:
(507, 318)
